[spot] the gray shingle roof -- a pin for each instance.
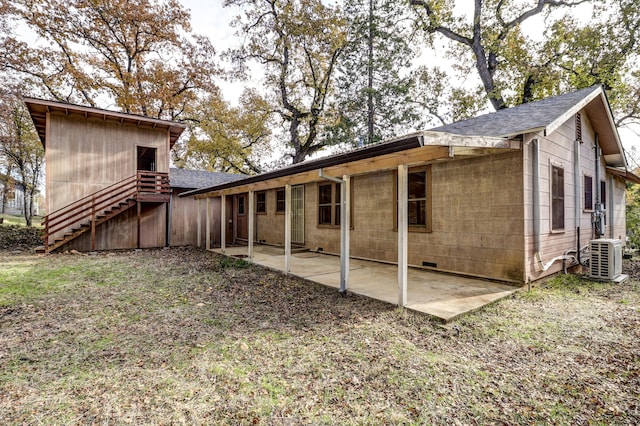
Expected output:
(195, 179)
(519, 119)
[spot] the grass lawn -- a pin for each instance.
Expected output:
(182, 336)
(19, 220)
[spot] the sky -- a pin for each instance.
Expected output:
(209, 18)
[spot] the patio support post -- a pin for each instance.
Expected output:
(251, 226)
(199, 224)
(403, 234)
(345, 226)
(287, 228)
(207, 228)
(223, 222)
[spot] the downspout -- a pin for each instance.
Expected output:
(577, 192)
(535, 164)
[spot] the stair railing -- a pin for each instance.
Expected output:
(92, 205)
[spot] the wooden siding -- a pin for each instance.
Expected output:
(558, 149)
(121, 232)
(86, 155)
(477, 219)
(184, 220)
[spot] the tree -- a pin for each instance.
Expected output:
(21, 149)
(138, 54)
(298, 43)
(228, 139)
(374, 82)
(514, 68)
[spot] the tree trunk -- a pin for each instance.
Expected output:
(370, 116)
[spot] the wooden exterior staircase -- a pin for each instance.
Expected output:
(85, 214)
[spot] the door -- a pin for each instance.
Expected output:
(240, 216)
(147, 158)
(297, 214)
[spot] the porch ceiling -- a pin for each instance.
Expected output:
(431, 147)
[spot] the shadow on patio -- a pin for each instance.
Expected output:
(440, 295)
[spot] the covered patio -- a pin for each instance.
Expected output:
(443, 296)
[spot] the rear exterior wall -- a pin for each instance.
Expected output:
(477, 219)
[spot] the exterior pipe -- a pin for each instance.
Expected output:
(598, 214)
(577, 192)
(611, 207)
(535, 164)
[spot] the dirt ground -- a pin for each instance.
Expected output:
(182, 336)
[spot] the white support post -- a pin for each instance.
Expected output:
(287, 228)
(345, 226)
(223, 223)
(403, 234)
(199, 208)
(252, 216)
(207, 227)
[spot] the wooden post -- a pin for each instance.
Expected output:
(93, 222)
(403, 194)
(251, 225)
(207, 227)
(223, 222)
(199, 207)
(139, 215)
(287, 228)
(345, 228)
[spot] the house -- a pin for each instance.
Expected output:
(184, 230)
(511, 196)
(12, 198)
(108, 181)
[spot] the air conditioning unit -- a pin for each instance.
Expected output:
(605, 259)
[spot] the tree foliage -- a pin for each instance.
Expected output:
(514, 67)
(228, 139)
(20, 149)
(298, 43)
(138, 54)
(374, 97)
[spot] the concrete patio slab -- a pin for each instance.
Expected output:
(443, 296)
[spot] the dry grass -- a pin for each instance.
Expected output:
(183, 336)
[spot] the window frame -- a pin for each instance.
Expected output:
(553, 197)
(263, 202)
(283, 201)
(428, 226)
(587, 192)
(335, 204)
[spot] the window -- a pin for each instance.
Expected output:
(419, 199)
(261, 202)
(557, 198)
(241, 205)
(280, 205)
(588, 193)
(329, 204)
(579, 127)
(603, 194)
